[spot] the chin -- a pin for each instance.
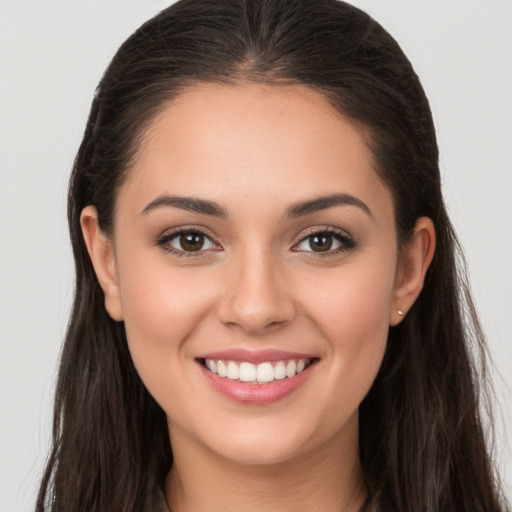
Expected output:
(271, 442)
(260, 453)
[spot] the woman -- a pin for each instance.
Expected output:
(268, 314)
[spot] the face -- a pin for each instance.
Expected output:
(255, 270)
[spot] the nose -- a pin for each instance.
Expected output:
(257, 297)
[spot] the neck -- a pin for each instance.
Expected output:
(325, 479)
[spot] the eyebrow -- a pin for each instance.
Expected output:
(191, 204)
(300, 209)
(325, 202)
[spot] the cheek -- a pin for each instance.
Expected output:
(353, 301)
(161, 307)
(354, 318)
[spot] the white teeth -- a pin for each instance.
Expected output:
(261, 374)
(291, 368)
(279, 371)
(247, 372)
(211, 365)
(233, 372)
(265, 372)
(221, 369)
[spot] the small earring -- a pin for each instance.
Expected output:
(400, 312)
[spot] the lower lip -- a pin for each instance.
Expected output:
(256, 393)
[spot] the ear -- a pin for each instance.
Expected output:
(416, 256)
(101, 252)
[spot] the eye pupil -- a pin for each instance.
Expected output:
(321, 243)
(191, 241)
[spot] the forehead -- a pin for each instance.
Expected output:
(266, 143)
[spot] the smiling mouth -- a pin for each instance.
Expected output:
(262, 373)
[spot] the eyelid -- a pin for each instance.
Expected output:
(324, 229)
(169, 234)
(344, 238)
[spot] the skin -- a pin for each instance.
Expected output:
(259, 284)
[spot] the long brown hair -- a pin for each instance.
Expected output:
(422, 445)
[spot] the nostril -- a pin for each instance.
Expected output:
(256, 312)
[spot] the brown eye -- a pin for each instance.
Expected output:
(325, 242)
(321, 242)
(189, 241)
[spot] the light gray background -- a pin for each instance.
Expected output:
(52, 54)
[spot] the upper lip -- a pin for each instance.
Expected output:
(255, 356)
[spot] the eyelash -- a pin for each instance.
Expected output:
(164, 240)
(344, 239)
